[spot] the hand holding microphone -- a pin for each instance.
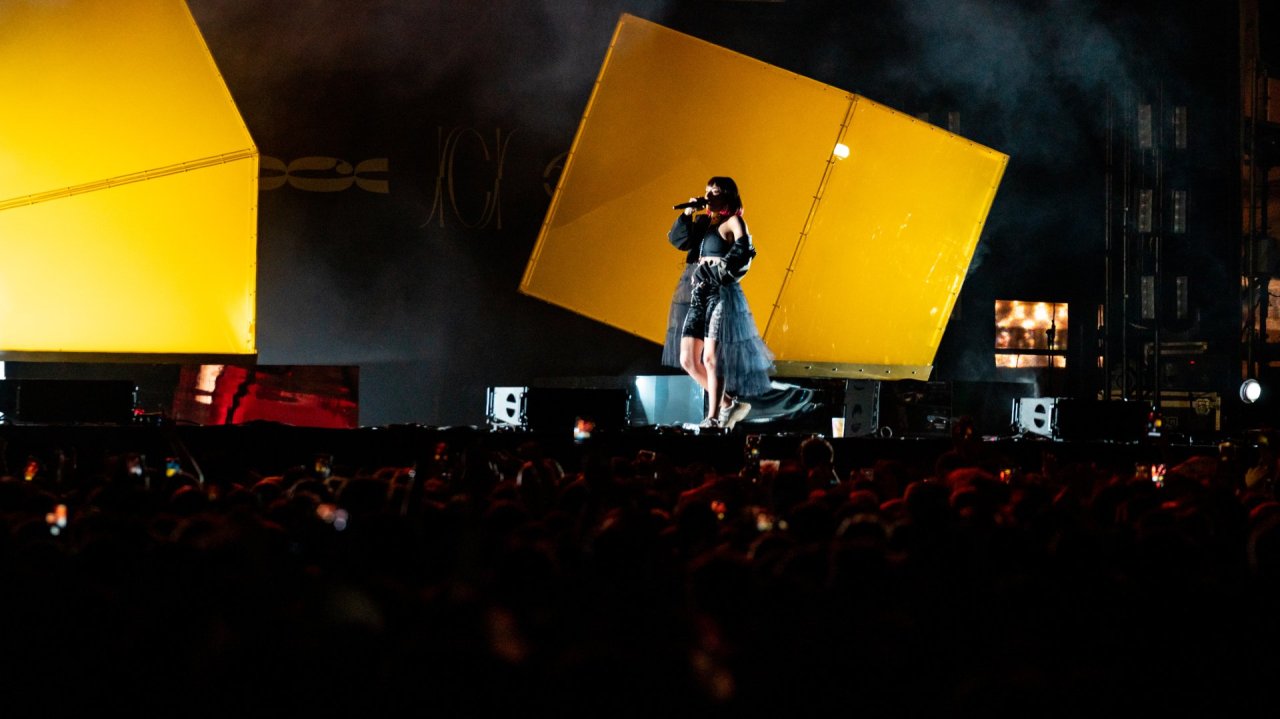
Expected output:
(694, 203)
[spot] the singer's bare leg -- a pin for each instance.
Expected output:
(691, 360)
(715, 388)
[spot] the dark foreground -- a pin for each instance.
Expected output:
(465, 572)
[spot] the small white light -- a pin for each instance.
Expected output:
(841, 151)
(1250, 391)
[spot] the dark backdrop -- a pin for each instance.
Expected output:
(412, 272)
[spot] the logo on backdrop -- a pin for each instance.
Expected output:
(488, 169)
(323, 174)
(470, 167)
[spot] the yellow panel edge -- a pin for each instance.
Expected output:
(934, 127)
(222, 81)
(797, 368)
(568, 163)
(807, 225)
(144, 175)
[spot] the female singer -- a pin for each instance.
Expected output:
(720, 347)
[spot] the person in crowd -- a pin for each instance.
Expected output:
(733, 594)
(818, 457)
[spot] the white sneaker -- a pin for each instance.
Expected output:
(733, 414)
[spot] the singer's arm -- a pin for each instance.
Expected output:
(738, 258)
(681, 235)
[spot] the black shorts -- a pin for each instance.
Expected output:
(703, 318)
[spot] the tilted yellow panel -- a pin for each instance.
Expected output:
(878, 272)
(98, 90)
(162, 266)
(668, 112)
(860, 259)
(128, 184)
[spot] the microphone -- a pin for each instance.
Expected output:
(697, 204)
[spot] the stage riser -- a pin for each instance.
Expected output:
(56, 401)
(871, 408)
(245, 452)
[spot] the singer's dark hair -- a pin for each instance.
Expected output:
(729, 189)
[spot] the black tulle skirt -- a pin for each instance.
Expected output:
(744, 360)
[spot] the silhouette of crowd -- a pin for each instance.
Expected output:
(485, 581)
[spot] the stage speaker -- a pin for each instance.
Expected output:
(67, 401)
(553, 409)
(1092, 419)
(505, 407)
(986, 403)
(912, 408)
(861, 407)
(1034, 415)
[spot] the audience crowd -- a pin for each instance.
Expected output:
(500, 581)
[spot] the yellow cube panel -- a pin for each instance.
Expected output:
(860, 259)
(128, 184)
(135, 268)
(878, 272)
(669, 112)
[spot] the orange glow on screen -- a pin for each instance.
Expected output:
(1040, 327)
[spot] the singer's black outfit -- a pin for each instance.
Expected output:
(717, 308)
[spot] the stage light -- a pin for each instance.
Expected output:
(1250, 391)
(1180, 127)
(841, 151)
(1145, 200)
